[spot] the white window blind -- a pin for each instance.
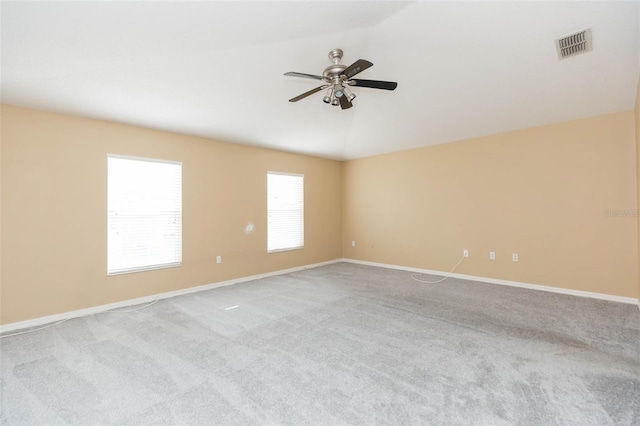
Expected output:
(285, 211)
(144, 211)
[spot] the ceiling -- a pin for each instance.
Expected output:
(215, 69)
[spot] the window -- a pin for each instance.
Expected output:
(144, 214)
(285, 212)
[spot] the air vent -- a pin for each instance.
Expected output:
(574, 44)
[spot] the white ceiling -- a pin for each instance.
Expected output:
(215, 69)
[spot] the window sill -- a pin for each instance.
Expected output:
(285, 249)
(144, 268)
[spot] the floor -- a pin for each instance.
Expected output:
(340, 344)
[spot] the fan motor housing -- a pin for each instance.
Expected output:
(333, 71)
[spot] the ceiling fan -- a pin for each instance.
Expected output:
(338, 78)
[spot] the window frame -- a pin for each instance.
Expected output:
(300, 247)
(153, 267)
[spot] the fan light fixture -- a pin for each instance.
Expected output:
(350, 95)
(328, 96)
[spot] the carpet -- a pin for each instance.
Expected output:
(339, 344)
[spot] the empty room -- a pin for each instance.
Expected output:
(320, 212)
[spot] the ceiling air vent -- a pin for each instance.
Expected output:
(574, 44)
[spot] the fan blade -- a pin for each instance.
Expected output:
(344, 102)
(376, 84)
(305, 94)
(356, 67)
(299, 74)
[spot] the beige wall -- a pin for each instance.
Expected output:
(541, 193)
(637, 111)
(54, 211)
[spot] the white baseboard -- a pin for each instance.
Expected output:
(609, 297)
(146, 299)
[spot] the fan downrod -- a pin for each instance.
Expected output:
(335, 55)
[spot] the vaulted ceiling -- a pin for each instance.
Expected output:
(215, 69)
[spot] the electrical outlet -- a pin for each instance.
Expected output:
(514, 257)
(466, 253)
(218, 259)
(353, 243)
(492, 255)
